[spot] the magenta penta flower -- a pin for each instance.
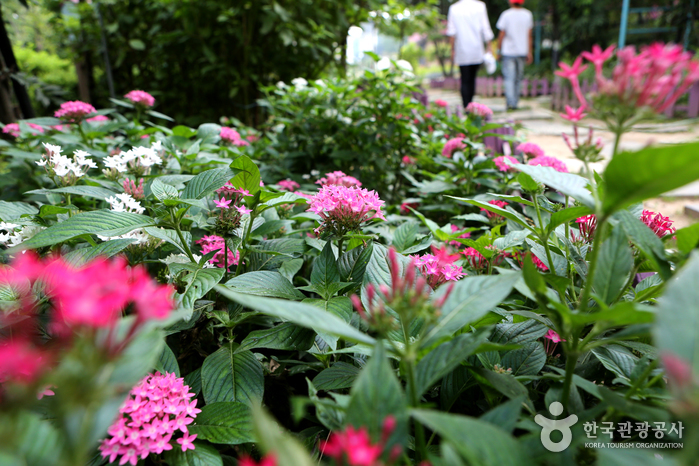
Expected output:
(546, 161)
(481, 110)
(475, 259)
(340, 179)
(661, 226)
(141, 98)
(288, 185)
(441, 103)
(530, 149)
(217, 243)
(157, 409)
(439, 267)
(551, 340)
(354, 446)
(232, 137)
(13, 129)
(587, 226)
(453, 145)
(344, 209)
(74, 111)
(574, 114)
(502, 166)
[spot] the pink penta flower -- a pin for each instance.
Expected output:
(571, 71)
(439, 267)
(407, 160)
(340, 179)
(546, 161)
(475, 259)
(98, 119)
(21, 361)
(354, 446)
(661, 226)
(481, 110)
(453, 145)
(133, 190)
(587, 226)
(156, 409)
(223, 203)
(13, 129)
(231, 192)
(502, 166)
(231, 136)
(74, 111)
(574, 114)
(268, 460)
(441, 103)
(530, 149)
(140, 98)
(598, 56)
(494, 216)
(455, 229)
(242, 209)
(344, 209)
(553, 336)
(288, 185)
(551, 340)
(216, 243)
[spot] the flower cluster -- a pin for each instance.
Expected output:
(551, 340)
(288, 185)
(74, 111)
(141, 98)
(344, 209)
(218, 244)
(98, 119)
(439, 267)
(519, 256)
(502, 165)
(64, 171)
(653, 78)
(587, 151)
(232, 207)
(546, 161)
(453, 145)
(15, 234)
(587, 226)
(338, 178)
(475, 259)
(135, 191)
(477, 109)
(157, 408)
(21, 361)
(126, 203)
(441, 103)
(13, 129)
(233, 137)
(354, 447)
(661, 226)
(137, 160)
(530, 149)
(494, 216)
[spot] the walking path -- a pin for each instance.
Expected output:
(544, 127)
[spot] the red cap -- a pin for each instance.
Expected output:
(520, 2)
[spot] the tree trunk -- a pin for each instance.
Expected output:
(8, 56)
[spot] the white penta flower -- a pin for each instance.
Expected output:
(383, 64)
(281, 85)
(299, 83)
(125, 203)
(116, 162)
(404, 65)
(17, 234)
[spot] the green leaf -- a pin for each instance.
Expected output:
(229, 376)
(687, 238)
(12, 210)
(352, 264)
(518, 333)
(508, 214)
(272, 439)
(504, 383)
(202, 455)
(163, 191)
(95, 192)
(574, 186)
(299, 313)
(199, 282)
(615, 265)
(444, 358)
(137, 44)
(98, 222)
(341, 306)
(338, 376)
(38, 441)
(107, 249)
(646, 240)
(637, 457)
(656, 170)
(677, 316)
(167, 362)
(405, 235)
(616, 359)
(325, 271)
(170, 236)
(248, 175)
(286, 336)
(370, 402)
(506, 415)
(228, 423)
(566, 215)
(264, 283)
(528, 360)
(206, 183)
(479, 442)
(527, 182)
(470, 299)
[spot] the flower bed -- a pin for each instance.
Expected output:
(196, 296)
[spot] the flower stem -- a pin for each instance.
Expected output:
(596, 246)
(176, 224)
(544, 237)
(571, 360)
(243, 244)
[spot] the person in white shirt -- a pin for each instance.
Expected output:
(515, 46)
(470, 32)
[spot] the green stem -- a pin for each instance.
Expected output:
(339, 246)
(409, 364)
(571, 360)
(176, 224)
(619, 131)
(596, 246)
(243, 244)
(641, 379)
(544, 238)
(87, 142)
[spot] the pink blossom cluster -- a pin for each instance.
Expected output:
(655, 77)
(98, 119)
(502, 166)
(267, 460)
(530, 149)
(13, 129)
(439, 267)
(21, 361)
(74, 111)
(494, 215)
(354, 447)
(344, 209)
(233, 137)
(140, 98)
(476, 260)
(453, 145)
(441, 103)
(587, 226)
(338, 178)
(477, 109)
(546, 161)
(288, 185)
(156, 409)
(519, 256)
(216, 243)
(661, 226)
(455, 229)
(135, 191)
